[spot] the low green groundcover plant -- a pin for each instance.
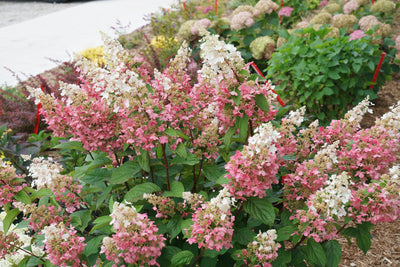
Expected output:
(165, 172)
(327, 74)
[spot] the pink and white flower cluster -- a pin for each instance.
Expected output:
(263, 250)
(63, 246)
(10, 183)
(213, 223)
(136, 240)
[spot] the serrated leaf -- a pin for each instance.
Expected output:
(136, 193)
(23, 197)
(284, 258)
(125, 172)
(333, 252)
(144, 160)
(285, 233)
(260, 209)
(228, 137)
(177, 189)
(181, 150)
(189, 160)
(243, 125)
(174, 226)
(9, 219)
(93, 245)
(244, 235)
(363, 237)
(315, 253)
(43, 192)
(185, 225)
(182, 258)
(76, 145)
(100, 222)
(212, 172)
(262, 102)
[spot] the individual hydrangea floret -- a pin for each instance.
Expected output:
(241, 20)
(350, 7)
(344, 21)
(383, 6)
(322, 18)
(264, 7)
(367, 22)
(262, 47)
(332, 8)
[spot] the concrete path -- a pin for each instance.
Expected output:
(26, 47)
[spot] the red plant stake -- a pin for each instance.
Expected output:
(184, 8)
(377, 70)
(216, 6)
(372, 2)
(39, 106)
(256, 69)
(280, 17)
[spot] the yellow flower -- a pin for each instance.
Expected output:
(95, 54)
(161, 41)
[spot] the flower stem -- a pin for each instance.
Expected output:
(166, 166)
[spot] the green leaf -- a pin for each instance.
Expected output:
(181, 150)
(99, 161)
(363, 237)
(333, 75)
(189, 160)
(185, 225)
(176, 133)
(9, 219)
(243, 125)
(333, 252)
(103, 196)
(174, 226)
(23, 197)
(244, 235)
(212, 172)
(125, 172)
(284, 258)
(96, 176)
(262, 102)
(286, 232)
(100, 222)
(228, 137)
(144, 160)
(177, 189)
(182, 258)
(315, 253)
(260, 209)
(136, 193)
(222, 180)
(76, 145)
(43, 192)
(84, 219)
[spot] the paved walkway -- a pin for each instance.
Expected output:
(26, 47)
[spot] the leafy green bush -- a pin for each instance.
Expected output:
(326, 74)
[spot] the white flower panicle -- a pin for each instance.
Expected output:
(44, 172)
(394, 173)
(123, 214)
(335, 195)
(264, 138)
(22, 233)
(356, 114)
(266, 241)
(296, 117)
(391, 119)
(224, 201)
(329, 151)
(219, 58)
